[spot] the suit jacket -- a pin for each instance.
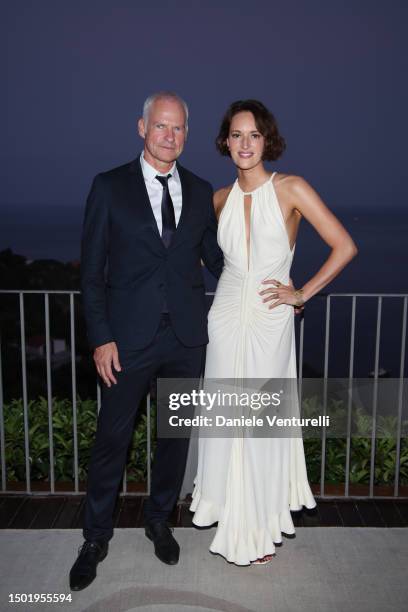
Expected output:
(126, 270)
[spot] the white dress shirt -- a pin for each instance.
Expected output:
(155, 190)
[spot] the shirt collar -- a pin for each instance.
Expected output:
(150, 173)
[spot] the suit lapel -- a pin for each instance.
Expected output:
(185, 208)
(139, 194)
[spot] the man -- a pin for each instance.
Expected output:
(150, 222)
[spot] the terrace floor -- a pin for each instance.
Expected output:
(322, 569)
(66, 512)
(345, 555)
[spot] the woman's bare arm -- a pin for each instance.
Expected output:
(308, 203)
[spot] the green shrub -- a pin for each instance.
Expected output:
(360, 446)
(385, 457)
(62, 423)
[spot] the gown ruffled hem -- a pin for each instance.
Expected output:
(243, 548)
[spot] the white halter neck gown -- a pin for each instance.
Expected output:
(249, 485)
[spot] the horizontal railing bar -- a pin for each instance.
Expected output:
(4, 494)
(326, 497)
(363, 294)
(41, 291)
(77, 292)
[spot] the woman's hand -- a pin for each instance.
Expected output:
(282, 294)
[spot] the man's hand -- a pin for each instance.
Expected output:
(104, 356)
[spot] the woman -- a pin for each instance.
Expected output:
(249, 485)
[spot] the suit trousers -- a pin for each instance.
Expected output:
(165, 357)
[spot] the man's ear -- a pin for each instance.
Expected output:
(141, 127)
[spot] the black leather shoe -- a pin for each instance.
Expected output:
(83, 572)
(165, 546)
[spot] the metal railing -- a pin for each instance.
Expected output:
(329, 298)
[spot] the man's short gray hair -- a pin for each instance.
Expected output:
(166, 95)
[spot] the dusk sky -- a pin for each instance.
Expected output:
(75, 75)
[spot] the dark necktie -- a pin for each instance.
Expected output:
(167, 211)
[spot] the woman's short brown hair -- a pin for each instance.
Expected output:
(265, 123)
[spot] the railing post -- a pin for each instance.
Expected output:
(25, 402)
(74, 391)
(300, 359)
(148, 445)
(2, 437)
(400, 395)
(98, 396)
(49, 390)
(350, 395)
(375, 397)
(325, 383)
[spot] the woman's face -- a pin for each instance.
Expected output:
(245, 142)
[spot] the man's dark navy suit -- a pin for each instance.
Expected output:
(127, 276)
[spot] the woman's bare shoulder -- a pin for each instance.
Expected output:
(288, 181)
(291, 187)
(291, 190)
(220, 198)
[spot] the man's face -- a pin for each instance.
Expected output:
(164, 134)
